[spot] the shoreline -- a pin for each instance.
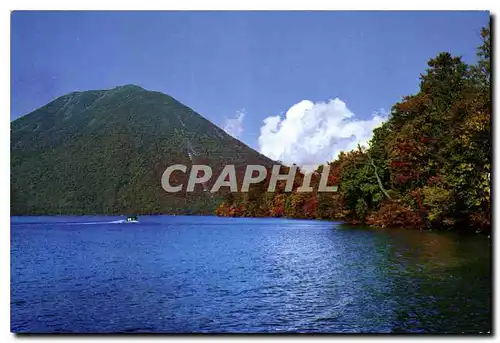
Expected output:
(354, 223)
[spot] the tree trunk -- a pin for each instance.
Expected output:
(380, 185)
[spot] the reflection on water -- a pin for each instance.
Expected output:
(439, 281)
(207, 274)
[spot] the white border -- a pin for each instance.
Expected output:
(253, 5)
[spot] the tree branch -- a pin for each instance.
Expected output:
(380, 185)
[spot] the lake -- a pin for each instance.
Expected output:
(180, 274)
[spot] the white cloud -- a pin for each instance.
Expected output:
(234, 126)
(314, 133)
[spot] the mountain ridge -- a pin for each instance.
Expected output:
(104, 151)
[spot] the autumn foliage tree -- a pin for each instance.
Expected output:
(427, 166)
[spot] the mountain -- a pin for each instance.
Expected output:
(104, 152)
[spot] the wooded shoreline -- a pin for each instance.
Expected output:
(427, 167)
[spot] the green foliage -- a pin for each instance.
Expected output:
(428, 165)
(361, 209)
(438, 201)
(104, 152)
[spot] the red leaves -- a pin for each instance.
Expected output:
(411, 176)
(433, 180)
(310, 207)
(400, 179)
(230, 210)
(403, 149)
(395, 214)
(428, 140)
(416, 195)
(278, 207)
(398, 164)
(408, 160)
(277, 211)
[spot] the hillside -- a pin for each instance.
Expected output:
(104, 152)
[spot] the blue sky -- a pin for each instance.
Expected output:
(221, 62)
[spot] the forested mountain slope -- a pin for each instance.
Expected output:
(105, 151)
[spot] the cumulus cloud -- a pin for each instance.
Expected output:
(234, 126)
(313, 133)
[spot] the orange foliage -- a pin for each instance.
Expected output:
(395, 214)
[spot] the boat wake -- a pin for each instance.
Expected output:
(121, 221)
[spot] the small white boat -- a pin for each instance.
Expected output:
(132, 219)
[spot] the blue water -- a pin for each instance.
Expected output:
(208, 274)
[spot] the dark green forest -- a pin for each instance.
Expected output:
(104, 152)
(428, 166)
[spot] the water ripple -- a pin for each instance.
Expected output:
(236, 275)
